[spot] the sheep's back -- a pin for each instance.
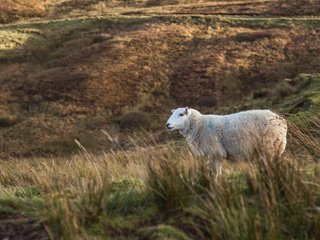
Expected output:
(253, 134)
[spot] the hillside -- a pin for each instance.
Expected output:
(53, 9)
(87, 86)
(79, 68)
(66, 79)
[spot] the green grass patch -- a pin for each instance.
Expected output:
(246, 21)
(305, 100)
(163, 232)
(297, 98)
(19, 44)
(31, 205)
(178, 201)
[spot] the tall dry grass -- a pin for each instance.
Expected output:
(14, 10)
(162, 190)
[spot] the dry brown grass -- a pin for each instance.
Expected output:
(63, 81)
(14, 10)
(51, 174)
(307, 136)
(142, 64)
(11, 11)
(132, 193)
(242, 7)
(298, 7)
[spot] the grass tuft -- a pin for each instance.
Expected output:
(162, 191)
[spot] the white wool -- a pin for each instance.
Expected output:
(247, 135)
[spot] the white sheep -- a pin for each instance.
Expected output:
(247, 135)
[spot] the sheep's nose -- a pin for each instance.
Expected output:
(168, 124)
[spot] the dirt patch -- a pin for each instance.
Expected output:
(16, 227)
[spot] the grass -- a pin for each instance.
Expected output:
(184, 7)
(304, 100)
(297, 98)
(61, 39)
(12, 11)
(162, 192)
(22, 9)
(60, 90)
(144, 188)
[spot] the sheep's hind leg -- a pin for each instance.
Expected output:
(209, 167)
(218, 167)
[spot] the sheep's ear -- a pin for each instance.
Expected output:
(172, 110)
(186, 110)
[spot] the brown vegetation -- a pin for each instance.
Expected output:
(163, 190)
(78, 84)
(56, 77)
(134, 120)
(14, 10)
(21, 9)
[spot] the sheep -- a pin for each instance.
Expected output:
(246, 135)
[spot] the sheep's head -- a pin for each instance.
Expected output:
(178, 119)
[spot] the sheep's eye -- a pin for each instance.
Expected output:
(181, 115)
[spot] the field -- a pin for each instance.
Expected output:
(86, 89)
(163, 192)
